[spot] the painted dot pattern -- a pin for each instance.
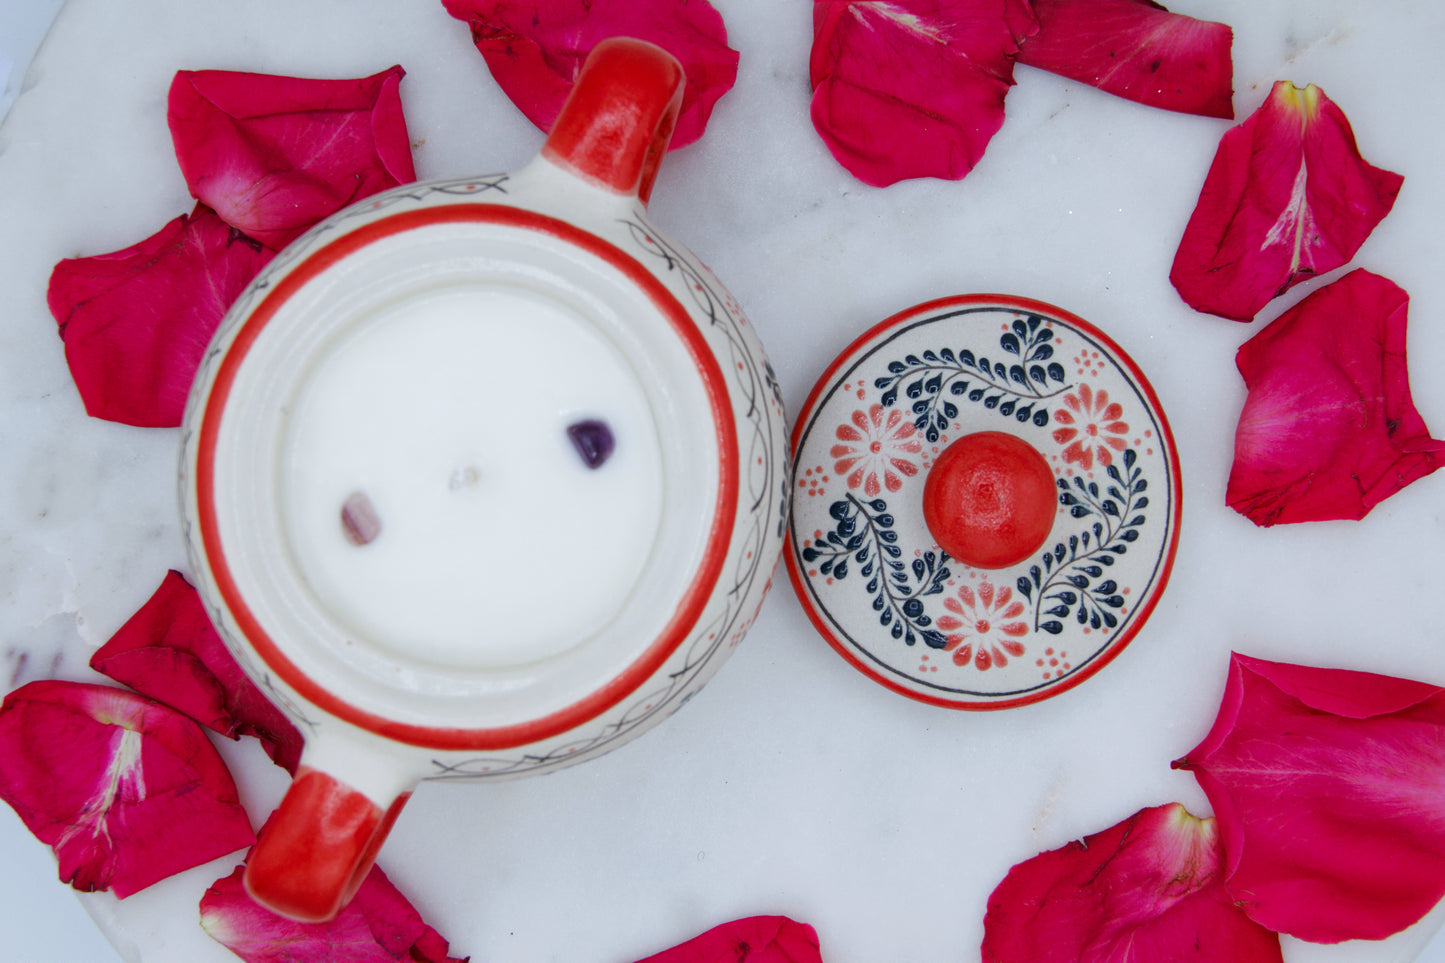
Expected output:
(874, 578)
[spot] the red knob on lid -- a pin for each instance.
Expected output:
(990, 499)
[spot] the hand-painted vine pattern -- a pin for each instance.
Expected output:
(936, 380)
(1072, 575)
(864, 557)
(863, 535)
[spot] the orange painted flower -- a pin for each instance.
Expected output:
(985, 626)
(877, 444)
(1090, 427)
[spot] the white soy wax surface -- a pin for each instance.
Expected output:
(448, 413)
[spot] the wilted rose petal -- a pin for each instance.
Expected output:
(274, 155)
(755, 939)
(1329, 786)
(535, 49)
(135, 323)
(378, 925)
(913, 88)
(1329, 429)
(170, 651)
(1150, 888)
(1287, 197)
(124, 790)
(1139, 50)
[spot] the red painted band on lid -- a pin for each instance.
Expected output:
(1166, 566)
(694, 599)
(618, 119)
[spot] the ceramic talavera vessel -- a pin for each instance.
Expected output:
(570, 231)
(863, 556)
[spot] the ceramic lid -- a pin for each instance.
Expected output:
(871, 574)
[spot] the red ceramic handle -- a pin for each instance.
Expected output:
(317, 848)
(616, 123)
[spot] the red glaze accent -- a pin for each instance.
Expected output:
(694, 600)
(616, 123)
(1141, 614)
(317, 848)
(989, 499)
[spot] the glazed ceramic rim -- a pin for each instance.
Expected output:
(1116, 645)
(603, 696)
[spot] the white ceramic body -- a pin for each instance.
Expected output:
(447, 245)
(566, 244)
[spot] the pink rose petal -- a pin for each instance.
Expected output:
(913, 88)
(1329, 429)
(535, 49)
(274, 155)
(136, 322)
(379, 925)
(1139, 50)
(170, 652)
(1287, 197)
(1149, 889)
(124, 790)
(1329, 786)
(755, 939)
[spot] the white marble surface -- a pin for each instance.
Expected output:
(792, 784)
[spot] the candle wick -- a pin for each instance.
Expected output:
(465, 477)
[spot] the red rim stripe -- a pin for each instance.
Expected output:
(1120, 642)
(694, 600)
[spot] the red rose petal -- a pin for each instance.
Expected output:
(913, 88)
(379, 925)
(136, 322)
(1329, 429)
(1150, 888)
(274, 155)
(535, 49)
(1139, 50)
(170, 651)
(124, 790)
(1287, 197)
(1328, 785)
(756, 939)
